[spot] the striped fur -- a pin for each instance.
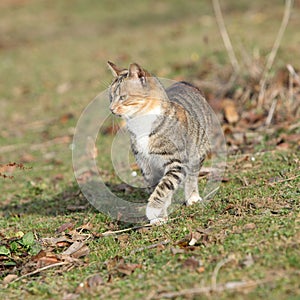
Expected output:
(169, 131)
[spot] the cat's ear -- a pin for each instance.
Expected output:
(135, 71)
(114, 69)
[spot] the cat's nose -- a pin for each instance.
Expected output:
(112, 108)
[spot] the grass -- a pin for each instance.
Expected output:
(53, 63)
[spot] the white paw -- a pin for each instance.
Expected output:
(158, 221)
(153, 212)
(155, 215)
(193, 199)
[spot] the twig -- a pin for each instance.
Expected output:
(273, 53)
(219, 265)
(271, 112)
(40, 270)
(211, 193)
(293, 73)
(150, 246)
(293, 77)
(225, 36)
(110, 232)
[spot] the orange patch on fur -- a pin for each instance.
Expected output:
(181, 115)
(153, 104)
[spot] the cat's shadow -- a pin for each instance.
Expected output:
(71, 201)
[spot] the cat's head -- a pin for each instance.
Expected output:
(134, 92)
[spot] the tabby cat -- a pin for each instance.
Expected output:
(169, 133)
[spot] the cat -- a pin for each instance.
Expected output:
(169, 133)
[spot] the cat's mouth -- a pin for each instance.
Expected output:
(115, 110)
(124, 113)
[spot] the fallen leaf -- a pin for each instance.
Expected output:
(230, 111)
(77, 249)
(9, 278)
(45, 259)
(127, 268)
(7, 170)
(64, 227)
(53, 242)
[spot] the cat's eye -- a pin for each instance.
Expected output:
(122, 98)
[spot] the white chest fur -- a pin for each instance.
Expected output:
(142, 144)
(141, 127)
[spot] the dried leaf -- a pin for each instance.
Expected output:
(46, 258)
(77, 249)
(9, 278)
(230, 111)
(64, 227)
(127, 268)
(53, 242)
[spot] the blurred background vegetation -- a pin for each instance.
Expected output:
(53, 56)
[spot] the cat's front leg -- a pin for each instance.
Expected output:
(150, 175)
(161, 197)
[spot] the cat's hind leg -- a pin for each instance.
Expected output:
(191, 190)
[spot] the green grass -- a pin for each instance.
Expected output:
(52, 64)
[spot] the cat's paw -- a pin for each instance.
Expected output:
(155, 215)
(158, 221)
(192, 200)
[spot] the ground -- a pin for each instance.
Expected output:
(244, 243)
